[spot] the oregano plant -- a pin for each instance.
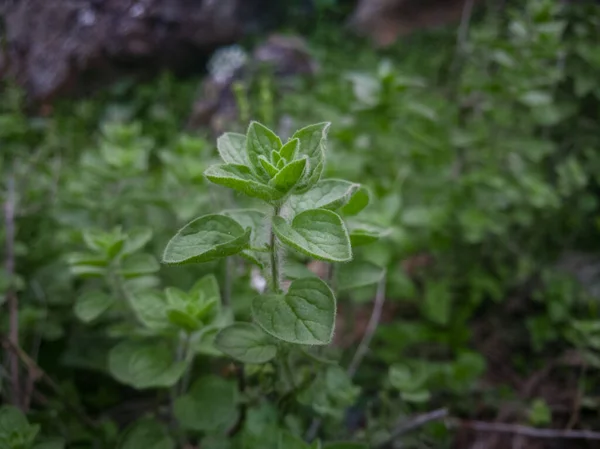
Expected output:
(301, 213)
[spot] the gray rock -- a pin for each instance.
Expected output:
(53, 46)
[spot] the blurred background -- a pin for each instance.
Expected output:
(476, 125)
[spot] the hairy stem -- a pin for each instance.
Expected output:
(275, 262)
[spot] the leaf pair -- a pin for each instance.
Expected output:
(318, 233)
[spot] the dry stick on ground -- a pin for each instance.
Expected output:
(531, 432)
(413, 424)
(36, 371)
(363, 348)
(11, 296)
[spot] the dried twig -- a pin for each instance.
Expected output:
(39, 374)
(531, 432)
(11, 295)
(363, 348)
(361, 352)
(414, 423)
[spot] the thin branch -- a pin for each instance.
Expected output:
(362, 350)
(11, 295)
(413, 424)
(37, 371)
(531, 432)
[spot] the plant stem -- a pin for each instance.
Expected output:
(275, 262)
(11, 296)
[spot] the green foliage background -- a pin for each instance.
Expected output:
(482, 155)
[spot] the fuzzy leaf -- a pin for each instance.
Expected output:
(305, 315)
(358, 274)
(206, 238)
(312, 139)
(146, 434)
(232, 148)
(246, 343)
(359, 200)
(327, 194)
(290, 150)
(210, 405)
(289, 176)
(144, 364)
(260, 141)
(241, 178)
(269, 168)
(253, 219)
(318, 233)
(91, 305)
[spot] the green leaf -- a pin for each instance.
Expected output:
(139, 265)
(144, 364)
(241, 178)
(232, 148)
(365, 233)
(313, 139)
(411, 381)
(253, 219)
(146, 434)
(210, 405)
(290, 149)
(290, 441)
(150, 308)
(357, 274)
(206, 238)
(246, 343)
(91, 305)
(326, 194)
(136, 239)
(318, 233)
(359, 200)
(260, 141)
(289, 176)
(15, 430)
(269, 168)
(257, 221)
(88, 271)
(183, 320)
(438, 302)
(208, 287)
(305, 315)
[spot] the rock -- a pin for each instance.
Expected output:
(386, 20)
(53, 46)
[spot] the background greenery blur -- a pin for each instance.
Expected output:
(482, 152)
